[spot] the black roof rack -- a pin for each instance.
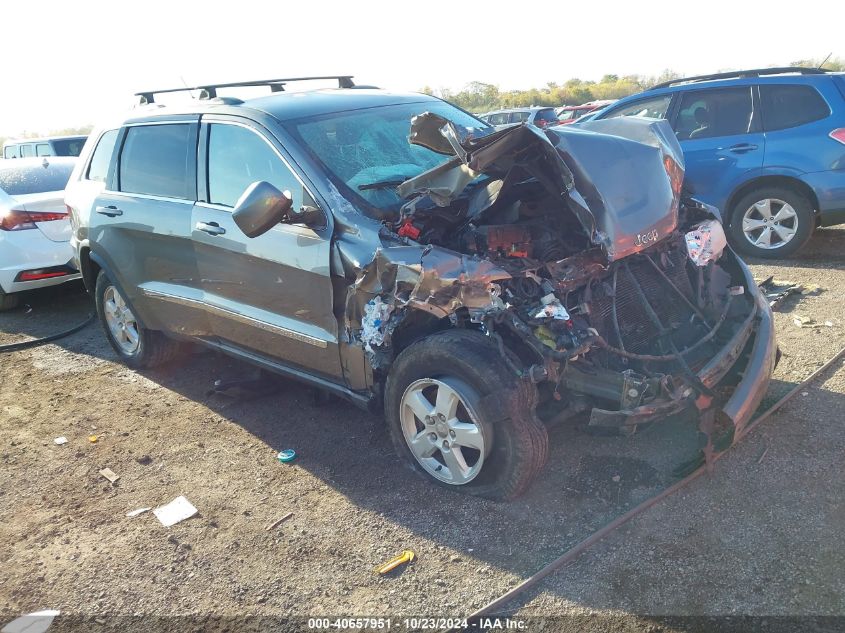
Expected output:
(757, 72)
(209, 91)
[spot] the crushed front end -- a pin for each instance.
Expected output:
(575, 251)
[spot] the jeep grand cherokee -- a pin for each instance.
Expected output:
(473, 284)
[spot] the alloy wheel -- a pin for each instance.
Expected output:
(769, 223)
(120, 321)
(443, 430)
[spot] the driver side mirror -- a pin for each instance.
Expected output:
(260, 208)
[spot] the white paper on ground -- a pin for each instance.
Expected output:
(177, 510)
(135, 513)
(37, 622)
(60, 440)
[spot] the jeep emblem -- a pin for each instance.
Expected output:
(646, 238)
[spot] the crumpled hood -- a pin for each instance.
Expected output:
(621, 177)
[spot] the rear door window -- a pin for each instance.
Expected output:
(238, 157)
(519, 117)
(500, 118)
(69, 146)
(786, 106)
(712, 113)
(27, 150)
(98, 170)
(43, 149)
(653, 107)
(155, 161)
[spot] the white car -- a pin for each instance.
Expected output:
(35, 230)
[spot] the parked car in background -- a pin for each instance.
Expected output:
(34, 229)
(541, 117)
(570, 114)
(394, 250)
(52, 146)
(766, 146)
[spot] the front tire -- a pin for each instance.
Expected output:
(457, 415)
(136, 346)
(771, 222)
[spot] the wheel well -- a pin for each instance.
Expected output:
(772, 181)
(415, 325)
(90, 269)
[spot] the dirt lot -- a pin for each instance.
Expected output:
(762, 536)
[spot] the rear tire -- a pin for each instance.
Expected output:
(9, 302)
(136, 346)
(510, 441)
(780, 216)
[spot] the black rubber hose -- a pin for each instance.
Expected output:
(14, 347)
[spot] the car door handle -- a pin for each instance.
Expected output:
(110, 211)
(742, 148)
(212, 228)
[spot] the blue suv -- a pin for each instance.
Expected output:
(767, 147)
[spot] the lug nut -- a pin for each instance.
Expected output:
(445, 444)
(432, 437)
(452, 434)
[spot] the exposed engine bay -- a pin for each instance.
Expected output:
(576, 251)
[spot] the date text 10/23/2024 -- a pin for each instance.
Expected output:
(415, 624)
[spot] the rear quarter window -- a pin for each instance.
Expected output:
(546, 115)
(98, 169)
(154, 161)
(21, 181)
(785, 106)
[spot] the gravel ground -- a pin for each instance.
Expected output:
(759, 537)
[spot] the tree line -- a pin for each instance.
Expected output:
(478, 96)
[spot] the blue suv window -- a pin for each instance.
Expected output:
(786, 106)
(652, 107)
(711, 113)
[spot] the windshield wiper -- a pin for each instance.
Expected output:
(381, 184)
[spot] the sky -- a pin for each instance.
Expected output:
(75, 63)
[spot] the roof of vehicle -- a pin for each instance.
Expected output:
(41, 139)
(291, 105)
(737, 78)
(754, 73)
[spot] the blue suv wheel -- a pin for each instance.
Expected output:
(771, 222)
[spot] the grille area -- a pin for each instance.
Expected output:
(639, 334)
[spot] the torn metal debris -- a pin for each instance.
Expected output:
(573, 249)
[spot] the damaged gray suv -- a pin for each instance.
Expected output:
(476, 285)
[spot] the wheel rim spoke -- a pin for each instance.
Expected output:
(454, 460)
(422, 446)
(785, 233)
(786, 212)
(131, 334)
(765, 238)
(447, 402)
(764, 208)
(419, 405)
(466, 434)
(752, 224)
